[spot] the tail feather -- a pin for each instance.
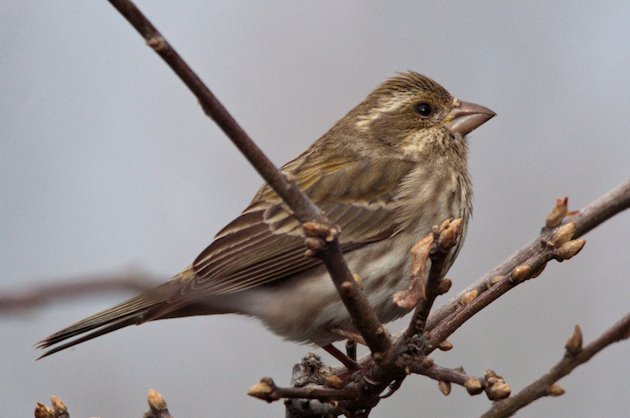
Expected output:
(113, 326)
(145, 307)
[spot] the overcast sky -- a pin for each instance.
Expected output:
(107, 163)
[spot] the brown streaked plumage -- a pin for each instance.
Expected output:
(392, 168)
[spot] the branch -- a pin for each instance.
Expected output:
(528, 262)
(364, 318)
(492, 384)
(267, 390)
(18, 301)
(436, 246)
(157, 408)
(471, 303)
(592, 215)
(58, 410)
(574, 356)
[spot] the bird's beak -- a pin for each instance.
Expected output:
(466, 117)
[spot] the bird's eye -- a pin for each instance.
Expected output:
(424, 109)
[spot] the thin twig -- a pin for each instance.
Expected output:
(474, 385)
(58, 410)
(267, 390)
(36, 296)
(364, 318)
(157, 406)
(541, 387)
(444, 240)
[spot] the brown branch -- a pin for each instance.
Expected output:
(311, 370)
(58, 410)
(493, 385)
(444, 239)
(157, 406)
(443, 374)
(364, 318)
(472, 303)
(31, 298)
(267, 390)
(574, 356)
(592, 215)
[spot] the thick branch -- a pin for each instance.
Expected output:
(355, 301)
(573, 357)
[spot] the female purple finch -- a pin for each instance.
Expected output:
(388, 171)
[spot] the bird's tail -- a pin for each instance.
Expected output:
(145, 307)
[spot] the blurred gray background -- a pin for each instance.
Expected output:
(107, 162)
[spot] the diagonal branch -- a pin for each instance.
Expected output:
(364, 318)
(533, 255)
(574, 356)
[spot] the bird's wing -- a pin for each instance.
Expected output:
(266, 242)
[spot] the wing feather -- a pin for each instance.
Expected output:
(265, 243)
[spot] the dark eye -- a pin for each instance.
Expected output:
(424, 109)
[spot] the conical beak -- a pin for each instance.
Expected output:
(466, 117)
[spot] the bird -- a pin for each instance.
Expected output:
(388, 171)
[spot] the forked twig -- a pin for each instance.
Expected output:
(574, 356)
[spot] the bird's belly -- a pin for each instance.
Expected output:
(306, 308)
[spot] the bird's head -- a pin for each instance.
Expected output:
(413, 113)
